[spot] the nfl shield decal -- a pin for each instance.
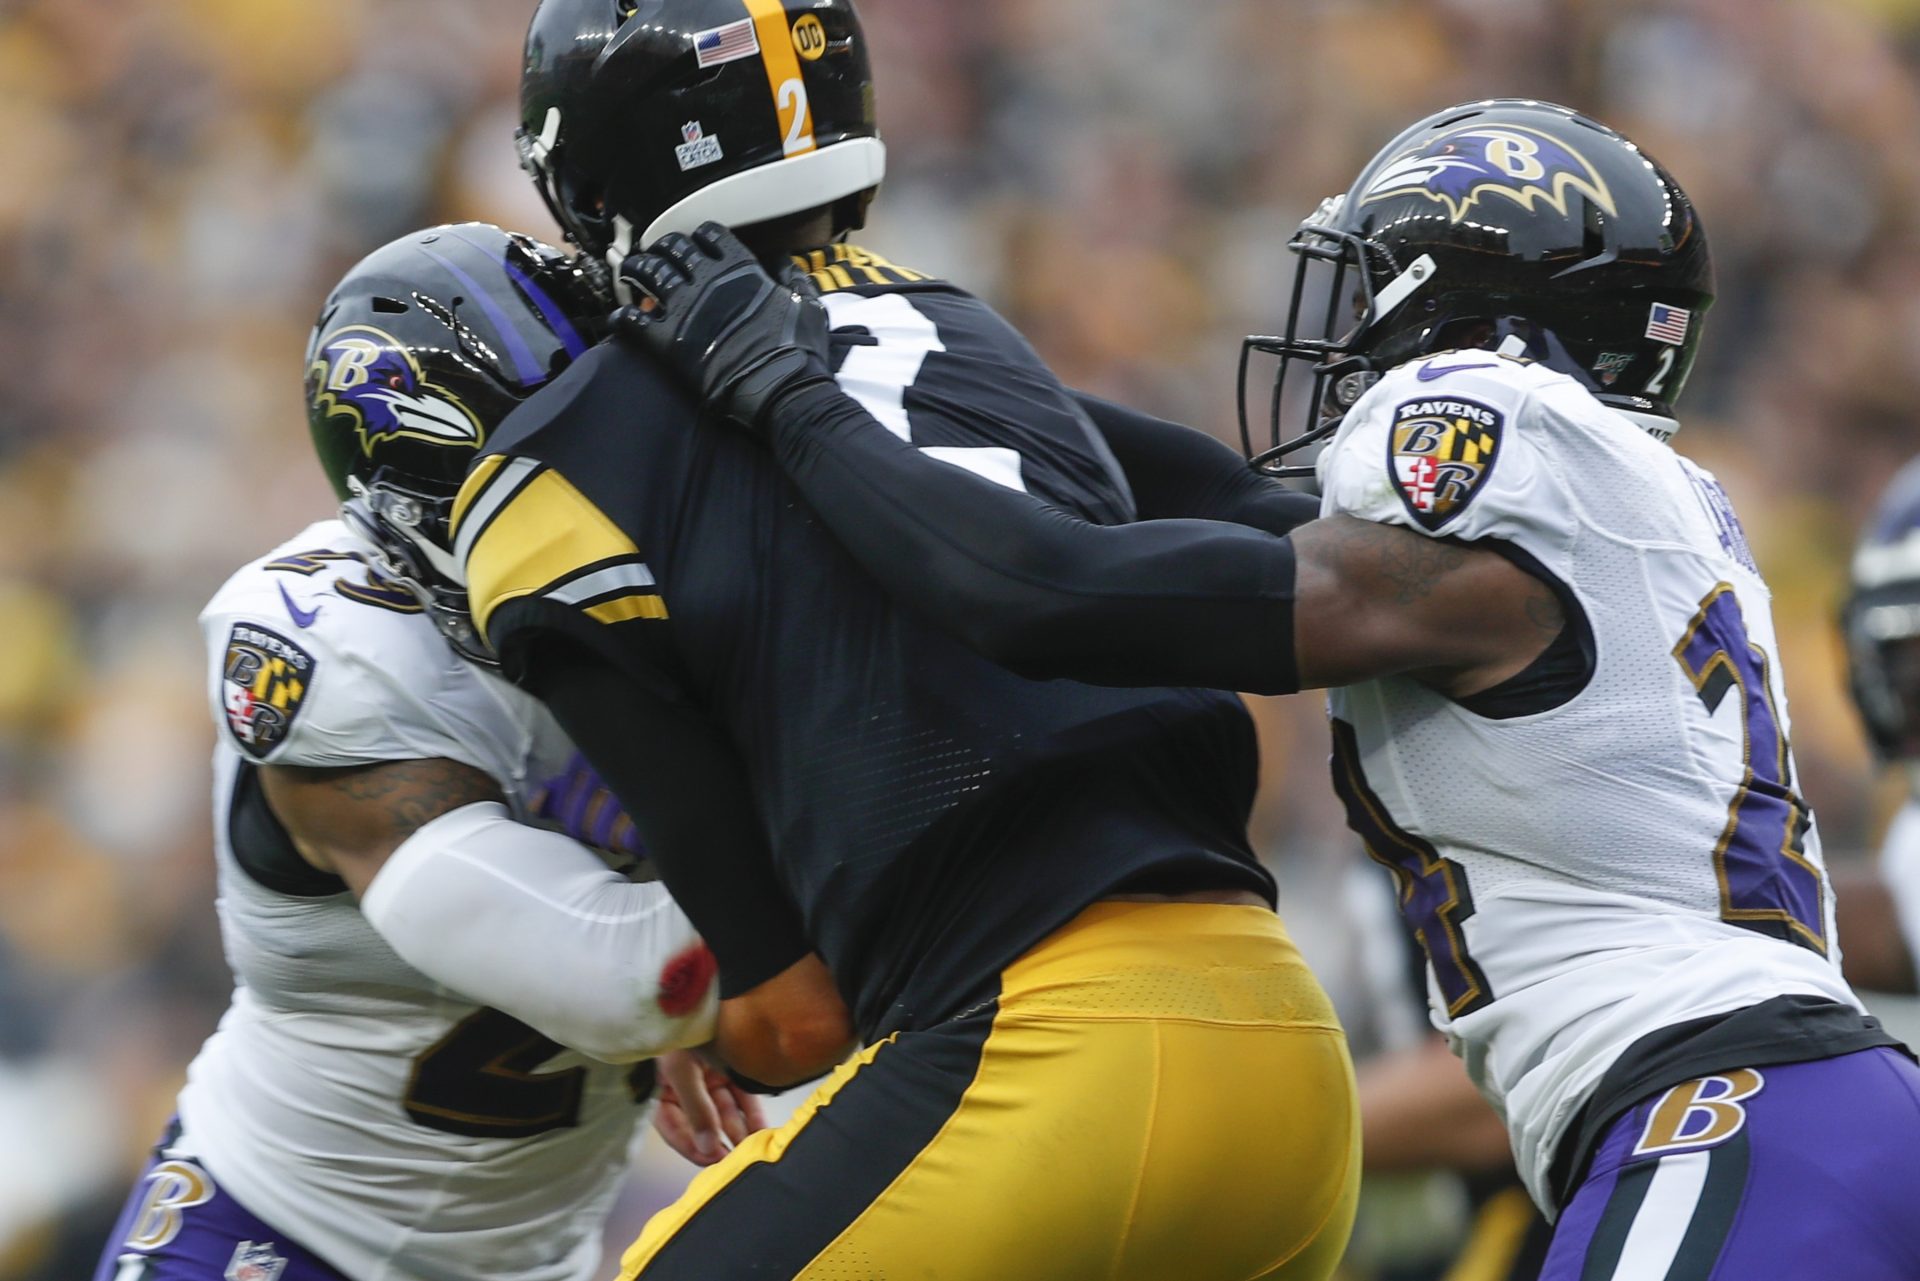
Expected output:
(1441, 452)
(264, 681)
(255, 1261)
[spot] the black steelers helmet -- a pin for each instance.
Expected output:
(1881, 621)
(419, 353)
(641, 117)
(1507, 223)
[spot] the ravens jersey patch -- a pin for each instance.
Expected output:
(1441, 452)
(263, 684)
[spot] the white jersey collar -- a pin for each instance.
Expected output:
(1659, 426)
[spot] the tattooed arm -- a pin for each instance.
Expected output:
(349, 821)
(1160, 602)
(524, 920)
(1376, 600)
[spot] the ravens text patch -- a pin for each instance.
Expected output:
(263, 682)
(1441, 452)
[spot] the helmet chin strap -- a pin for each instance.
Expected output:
(617, 256)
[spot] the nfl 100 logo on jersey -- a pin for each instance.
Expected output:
(264, 681)
(1441, 452)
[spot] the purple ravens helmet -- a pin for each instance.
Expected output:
(1881, 621)
(419, 353)
(641, 117)
(1499, 220)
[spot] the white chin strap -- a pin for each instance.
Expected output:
(1422, 271)
(617, 255)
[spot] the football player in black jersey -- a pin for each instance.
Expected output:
(1501, 588)
(1090, 1049)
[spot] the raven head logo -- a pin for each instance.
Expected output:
(1461, 167)
(370, 377)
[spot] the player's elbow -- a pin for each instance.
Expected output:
(633, 1027)
(810, 1045)
(785, 1032)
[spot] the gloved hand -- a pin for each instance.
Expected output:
(740, 337)
(577, 802)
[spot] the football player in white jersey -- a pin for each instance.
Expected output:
(445, 1006)
(1556, 700)
(1880, 907)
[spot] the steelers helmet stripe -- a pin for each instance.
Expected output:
(782, 61)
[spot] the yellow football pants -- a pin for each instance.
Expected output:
(1160, 1093)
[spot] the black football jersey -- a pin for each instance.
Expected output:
(930, 814)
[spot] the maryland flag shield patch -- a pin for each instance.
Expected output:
(263, 683)
(1441, 452)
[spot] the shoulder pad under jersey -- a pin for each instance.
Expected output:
(1450, 446)
(311, 662)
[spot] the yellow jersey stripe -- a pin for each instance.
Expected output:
(622, 608)
(482, 497)
(477, 480)
(783, 74)
(542, 534)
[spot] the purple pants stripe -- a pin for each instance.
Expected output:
(1795, 1172)
(179, 1226)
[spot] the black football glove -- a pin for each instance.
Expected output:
(737, 335)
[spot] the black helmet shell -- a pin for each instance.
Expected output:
(1530, 210)
(640, 117)
(427, 344)
(1507, 218)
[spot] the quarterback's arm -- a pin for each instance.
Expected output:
(1159, 602)
(524, 920)
(781, 1017)
(1176, 472)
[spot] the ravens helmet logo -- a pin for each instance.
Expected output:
(369, 376)
(1459, 168)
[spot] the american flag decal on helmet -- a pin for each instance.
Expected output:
(730, 43)
(1668, 324)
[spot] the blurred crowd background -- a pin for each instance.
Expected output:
(182, 180)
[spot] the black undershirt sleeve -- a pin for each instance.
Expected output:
(683, 786)
(1176, 472)
(1036, 589)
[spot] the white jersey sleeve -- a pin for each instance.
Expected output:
(312, 664)
(1445, 447)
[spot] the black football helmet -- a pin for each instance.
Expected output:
(641, 117)
(1881, 622)
(1507, 223)
(420, 352)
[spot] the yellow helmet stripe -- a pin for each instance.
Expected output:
(783, 74)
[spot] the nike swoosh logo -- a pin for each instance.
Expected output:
(1429, 372)
(302, 618)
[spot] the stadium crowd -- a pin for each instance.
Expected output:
(185, 178)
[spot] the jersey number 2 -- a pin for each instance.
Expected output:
(1766, 882)
(479, 1080)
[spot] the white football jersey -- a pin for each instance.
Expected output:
(1635, 857)
(394, 1127)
